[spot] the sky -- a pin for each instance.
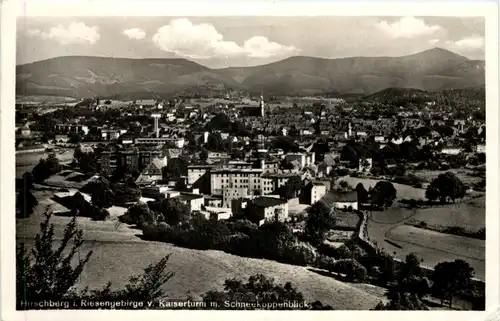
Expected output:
(219, 42)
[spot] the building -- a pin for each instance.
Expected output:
(480, 148)
(155, 141)
(153, 172)
(238, 165)
(232, 193)
(196, 172)
(217, 157)
(132, 158)
(341, 135)
(193, 201)
(235, 178)
(271, 182)
(313, 192)
(25, 131)
(451, 150)
(345, 200)
(108, 134)
(304, 159)
(266, 209)
(61, 138)
(71, 128)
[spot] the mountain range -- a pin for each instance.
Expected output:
(80, 76)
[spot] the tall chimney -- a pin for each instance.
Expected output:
(156, 127)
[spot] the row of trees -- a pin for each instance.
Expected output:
(381, 196)
(446, 281)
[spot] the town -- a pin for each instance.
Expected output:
(356, 186)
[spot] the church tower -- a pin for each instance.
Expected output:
(262, 112)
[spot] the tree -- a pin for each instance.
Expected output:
(124, 193)
(363, 195)
(180, 185)
(258, 292)
(139, 214)
(25, 201)
(351, 268)
(46, 168)
(293, 185)
(448, 186)
(344, 185)
(174, 211)
(432, 192)
(411, 267)
(320, 220)
(402, 301)
(102, 195)
(449, 278)
(383, 194)
(75, 138)
(203, 154)
(285, 143)
(47, 273)
(87, 161)
(214, 142)
(175, 169)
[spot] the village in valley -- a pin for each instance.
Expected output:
(345, 193)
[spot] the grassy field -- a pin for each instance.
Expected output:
(26, 162)
(434, 247)
(347, 219)
(461, 174)
(403, 191)
(118, 254)
(469, 214)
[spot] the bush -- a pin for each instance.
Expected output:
(351, 268)
(300, 254)
(324, 262)
(341, 252)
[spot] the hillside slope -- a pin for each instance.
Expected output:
(433, 70)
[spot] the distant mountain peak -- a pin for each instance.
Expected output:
(438, 52)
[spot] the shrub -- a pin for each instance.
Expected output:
(300, 254)
(324, 262)
(351, 268)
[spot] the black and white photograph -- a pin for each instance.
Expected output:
(252, 162)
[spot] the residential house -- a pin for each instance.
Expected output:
(265, 209)
(313, 192)
(61, 138)
(345, 200)
(152, 173)
(452, 150)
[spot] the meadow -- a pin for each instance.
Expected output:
(403, 191)
(118, 254)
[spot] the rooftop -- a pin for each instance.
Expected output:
(267, 201)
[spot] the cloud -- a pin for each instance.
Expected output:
(407, 27)
(470, 43)
(203, 41)
(34, 32)
(433, 41)
(134, 33)
(74, 33)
